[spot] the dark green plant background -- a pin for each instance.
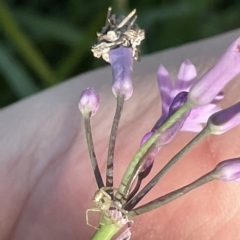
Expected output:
(44, 42)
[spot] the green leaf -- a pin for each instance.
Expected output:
(79, 51)
(43, 27)
(17, 78)
(151, 15)
(28, 51)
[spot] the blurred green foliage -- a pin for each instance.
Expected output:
(44, 42)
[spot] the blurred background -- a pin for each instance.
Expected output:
(44, 42)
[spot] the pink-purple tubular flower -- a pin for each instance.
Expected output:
(89, 102)
(185, 79)
(225, 119)
(228, 170)
(174, 95)
(121, 61)
(208, 86)
(204, 94)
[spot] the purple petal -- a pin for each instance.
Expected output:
(165, 88)
(201, 114)
(207, 87)
(218, 98)
(186, 76)
(191, 127)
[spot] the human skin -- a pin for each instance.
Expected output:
(46, 180)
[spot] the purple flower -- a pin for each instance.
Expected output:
(121, 60)
(208, 86)
(225, 119)
(173, 97)
(185, 79)
(167, 136)
(228, 170)
(89, 102)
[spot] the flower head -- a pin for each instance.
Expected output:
(173, 97)
(89, 102)
(185, 79)
(228, 170)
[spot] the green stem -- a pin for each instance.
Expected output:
(106, 232)
(131, 204)
(107, 228)
(91, 151)
(124, 187)
(136, 171)
(112, 141)
(158, 202)
(77, 53)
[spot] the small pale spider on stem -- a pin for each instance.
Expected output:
(104, 204)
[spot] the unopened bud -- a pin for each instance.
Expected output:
(146, 168)
(89, 102)
(224, 120)
(228, 170)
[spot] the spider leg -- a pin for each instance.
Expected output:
(104, 189)
(91, 210)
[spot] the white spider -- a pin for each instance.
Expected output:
(104, 203)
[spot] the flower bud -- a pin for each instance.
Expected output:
(121, 60)
(89, 102)
(224, 120)
(186, 76)
(146, 168)
(210, 84)
(228, 170)
(170, 133)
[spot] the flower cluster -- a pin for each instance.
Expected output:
(188, 104)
